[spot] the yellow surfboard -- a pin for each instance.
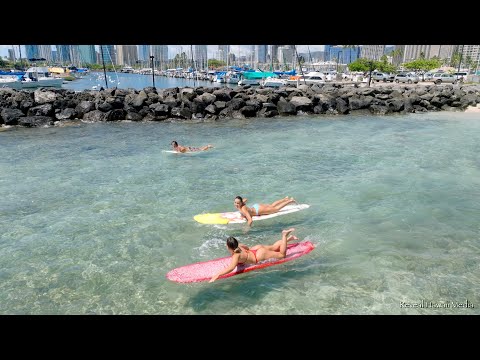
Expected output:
(215, 218)
(235, 217)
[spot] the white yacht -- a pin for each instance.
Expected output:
(127, 69)
(249, 82)
(273, 82)
(313, 77)
(35, 77)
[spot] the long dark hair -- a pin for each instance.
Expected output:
(239, 198)
(232, 244)
(174, 143)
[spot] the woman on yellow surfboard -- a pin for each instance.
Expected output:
(260, 209)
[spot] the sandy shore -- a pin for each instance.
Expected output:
(473, 109)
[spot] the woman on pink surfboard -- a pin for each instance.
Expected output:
(242, 254)
(260, 209)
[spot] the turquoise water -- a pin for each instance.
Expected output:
(93, 216)
(135, 81)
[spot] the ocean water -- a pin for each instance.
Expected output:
(134, 81)
(93, 216)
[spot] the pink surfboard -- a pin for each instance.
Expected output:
(203, 271)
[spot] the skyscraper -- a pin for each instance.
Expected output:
(63, 54)
(223, 51)
(126, 54)
(372, 52)
(32, 51)
(261, 54)
(87, 54)
(201, 56)
(108, 52)
(144, 52)
(160, 53)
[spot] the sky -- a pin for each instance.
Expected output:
(174, 49)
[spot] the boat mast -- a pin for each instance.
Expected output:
(104, 70)
(20, 49)
(300, 64)
(193, 66)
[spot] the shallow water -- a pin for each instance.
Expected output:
(93, 216)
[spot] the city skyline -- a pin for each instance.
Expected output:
(175, 49)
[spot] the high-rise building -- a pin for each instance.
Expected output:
(372, 52)
(87, 54)
(223, 51)
(200, 56)
(342, 53)
(108, 53)
(160, 53)
(144, 52)
(45, 52)
(11, 55)
(127, 54)
(32, 51)
(285, 55)
(261, 54)
(413, 52)
(63, 54)
(274, 53)
(471, 52)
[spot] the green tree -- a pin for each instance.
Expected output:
(455, 60)
(423, 65)
(363, 65)
(396, 55)
(470, 62)
(384, 66)
(214, 63)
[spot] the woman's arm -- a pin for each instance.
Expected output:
(246, 213)
(233, 264)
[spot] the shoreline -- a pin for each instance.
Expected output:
(50, 107)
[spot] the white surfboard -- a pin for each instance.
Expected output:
(235, 217)
(180, 153)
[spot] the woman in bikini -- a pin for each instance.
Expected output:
(260, 209)
(184, 149)
(242, 254)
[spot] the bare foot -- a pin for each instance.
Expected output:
(293, 200)
(287, 231)
(292, 237)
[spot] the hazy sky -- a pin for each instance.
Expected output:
(174, 49)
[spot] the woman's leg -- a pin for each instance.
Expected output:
(275, 203)
(264, 253)
(276, 245)
(265, 209)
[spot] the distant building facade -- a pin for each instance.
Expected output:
(63, 54)
(87, 54)
(470, 51)
(201, 55)
(108, 53)
(127, 54)
(372, 52)
(143, 52)
(261, 54)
